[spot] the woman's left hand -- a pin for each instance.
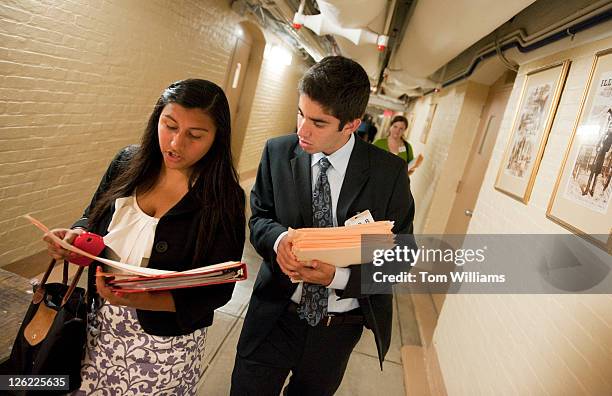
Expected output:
(150, 301)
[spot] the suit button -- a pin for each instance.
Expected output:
(161, 246)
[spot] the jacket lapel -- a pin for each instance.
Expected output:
(300, 167)
(357, 173)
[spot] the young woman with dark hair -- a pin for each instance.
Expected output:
(171, 203)
(395, 142)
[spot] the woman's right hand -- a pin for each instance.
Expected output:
(66, 234)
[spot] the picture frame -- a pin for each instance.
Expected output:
(580, 200)
(408, 131)
(428, 121)
(531, 126)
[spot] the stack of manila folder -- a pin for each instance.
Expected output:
(341, 246)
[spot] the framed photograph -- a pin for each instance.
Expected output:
(532, 123)
(408, 131)
(581, 198)
(428, 121)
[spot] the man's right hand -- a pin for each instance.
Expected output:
(68, 235)
(286, 259)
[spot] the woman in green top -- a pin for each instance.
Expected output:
(395, 143)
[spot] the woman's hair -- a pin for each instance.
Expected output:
(399, 118)
(214, 180)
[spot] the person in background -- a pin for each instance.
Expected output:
(171, 203)
(395, 142)
(363, 132)
(367, 130)
(372, 132)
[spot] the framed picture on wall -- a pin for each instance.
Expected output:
(410, 118)
(532, 123)
(428, 121)
(581, 198)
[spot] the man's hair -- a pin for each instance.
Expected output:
(339, 85)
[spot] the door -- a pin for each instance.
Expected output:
(478, 160)
(233, 86)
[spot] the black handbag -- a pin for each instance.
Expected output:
(52, 337)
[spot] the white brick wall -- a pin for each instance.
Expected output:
(79, 79)
(528, 344)
(434, 184)
(274, 109)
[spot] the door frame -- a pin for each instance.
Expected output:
(240, 120)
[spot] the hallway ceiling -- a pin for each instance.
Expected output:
(430, 42)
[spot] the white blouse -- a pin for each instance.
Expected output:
(131, 232)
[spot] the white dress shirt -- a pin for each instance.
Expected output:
(335, 174)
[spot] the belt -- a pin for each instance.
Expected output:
(334, 319)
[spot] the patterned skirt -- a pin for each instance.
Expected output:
(121, 359)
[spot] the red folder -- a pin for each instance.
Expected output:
(134, 279)
(203, 276)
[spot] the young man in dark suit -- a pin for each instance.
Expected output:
(318, 177)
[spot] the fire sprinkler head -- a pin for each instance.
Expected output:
(382, 42)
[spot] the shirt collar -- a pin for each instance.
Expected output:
(339, 159)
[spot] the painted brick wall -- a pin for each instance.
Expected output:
(79, 80)
(274, 109)
(422, 183)
(529, 344)
(425, 181)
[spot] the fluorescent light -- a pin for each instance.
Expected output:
(278, 55)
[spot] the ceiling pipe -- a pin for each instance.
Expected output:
(386, 102)
(322, 26)
(283, 13)
(515, 42)
(327, 22)
(439, 30)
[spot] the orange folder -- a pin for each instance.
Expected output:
(339, 246)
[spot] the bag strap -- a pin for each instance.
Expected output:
(47, 273)
(65, 273)
(40, 291)
(77, 276)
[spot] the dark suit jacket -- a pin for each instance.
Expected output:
(281, 198)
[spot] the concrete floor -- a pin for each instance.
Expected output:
(363, 376)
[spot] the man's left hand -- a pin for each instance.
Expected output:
(316, 272)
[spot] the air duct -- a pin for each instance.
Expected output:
(348, 19)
